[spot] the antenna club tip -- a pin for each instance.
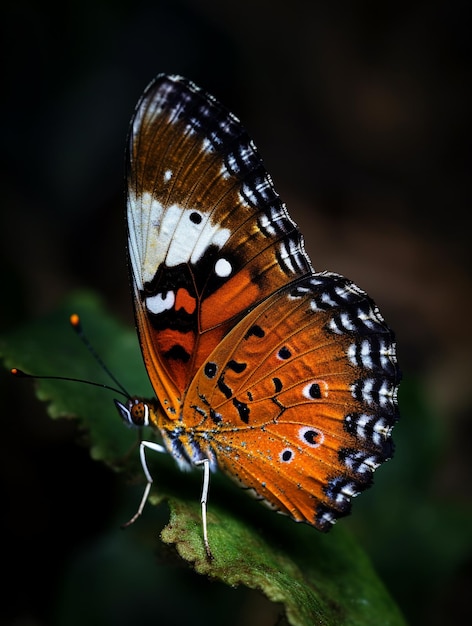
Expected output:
(17, 372)
(74, 320)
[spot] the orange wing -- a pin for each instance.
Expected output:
(299, 400)
(283, 377)
(209, 237)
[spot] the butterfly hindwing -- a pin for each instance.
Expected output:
(300, 398)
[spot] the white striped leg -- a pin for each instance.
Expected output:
(142, 454)
(203, 500)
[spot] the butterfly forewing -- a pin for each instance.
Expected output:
(209, 237)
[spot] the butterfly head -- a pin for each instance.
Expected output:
(135, 413)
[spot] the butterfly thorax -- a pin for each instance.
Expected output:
(186, 448)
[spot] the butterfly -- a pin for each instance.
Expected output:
(283, 377)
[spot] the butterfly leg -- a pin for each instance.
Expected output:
(150, 445)
(203, 500)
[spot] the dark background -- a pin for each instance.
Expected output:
(361, 113)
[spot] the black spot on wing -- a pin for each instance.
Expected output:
(195, 217)
(177, 353)
(236, 367)
(314, 391)
(210, 369)
(284, 353)
(255, 331)
(223, 387)
(215, 417)
(242, 409)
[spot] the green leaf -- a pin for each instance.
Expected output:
(323, 579)
(316, 578)
(49, 347)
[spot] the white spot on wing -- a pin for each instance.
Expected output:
(160, 302)
(223, 268)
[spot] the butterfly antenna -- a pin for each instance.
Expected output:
(21, 374)
(77, 326)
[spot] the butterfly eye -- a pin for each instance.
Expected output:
(135, 413)
(140, 414)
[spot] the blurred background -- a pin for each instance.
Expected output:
(361, 113)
